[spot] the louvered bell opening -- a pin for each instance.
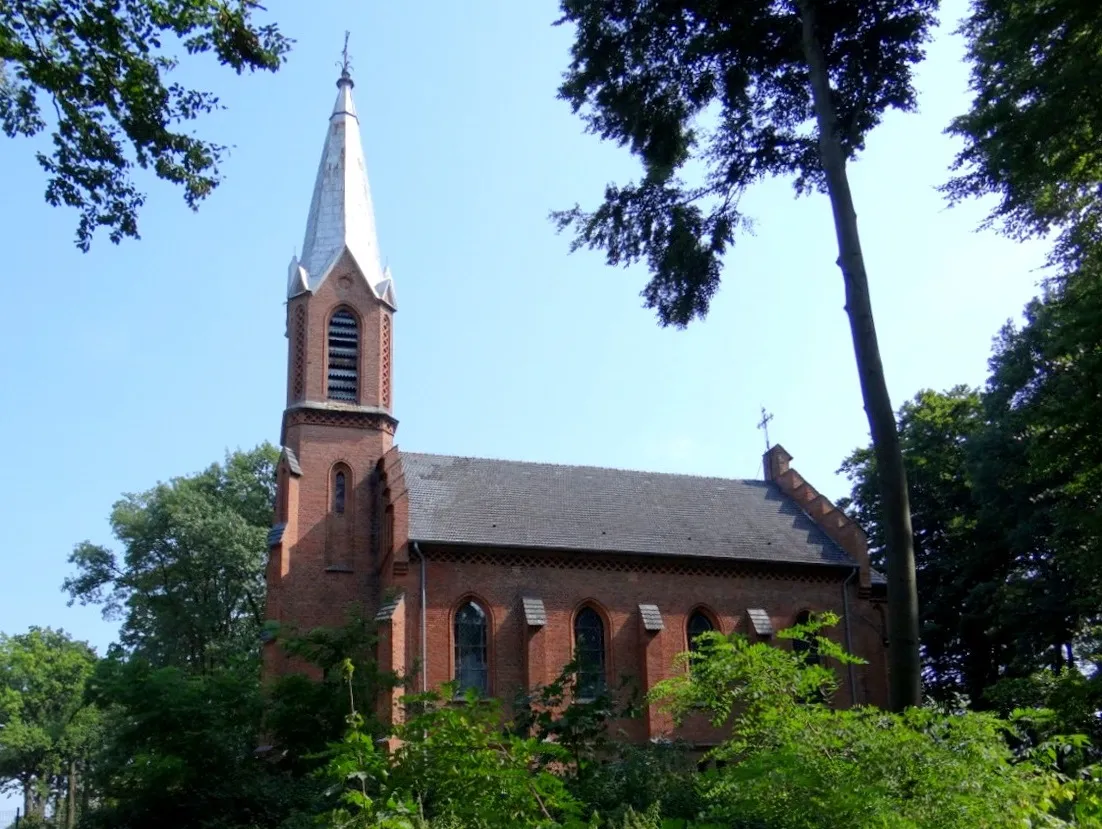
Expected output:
(343, 354)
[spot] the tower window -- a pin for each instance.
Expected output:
(589, 651)
(338, 493)
(698, 623)
(471, 657)
(344, 351)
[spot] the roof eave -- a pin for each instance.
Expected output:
(846, 566)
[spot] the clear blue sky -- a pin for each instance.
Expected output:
(136, 363)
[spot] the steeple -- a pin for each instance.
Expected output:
(341, 213)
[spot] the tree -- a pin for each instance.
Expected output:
(189, 587)
(105, 66)
(962, 556)
(182, 747)
(218, 749)
(47, 729)
(1031, 136)
(794, 87)
(303, 713)
(1005, 498)
(1045, 468)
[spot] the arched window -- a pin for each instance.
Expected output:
(471, 654)
(338, 493)
(698, 623)
(808, 647)
(344, 351)
(589, 651)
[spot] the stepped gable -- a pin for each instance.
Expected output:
(844, 531)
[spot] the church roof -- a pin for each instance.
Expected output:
(341, 213)
(536, 505)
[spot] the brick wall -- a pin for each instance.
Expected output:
(325, 563)
(521, 656)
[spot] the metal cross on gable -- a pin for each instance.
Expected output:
(764, 425)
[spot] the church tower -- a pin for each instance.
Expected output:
(338, 421)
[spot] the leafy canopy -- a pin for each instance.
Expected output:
(1033, 135)
(189, 587)
(184, 744)
(104, 67)
(711, 97)
(792, 762)
(45, 721)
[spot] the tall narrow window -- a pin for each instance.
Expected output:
(344, 339)
(338, 493)
(698, 623)
(809, 647)
(589, 651)
(471, 656)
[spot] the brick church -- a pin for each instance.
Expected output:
(494, 574)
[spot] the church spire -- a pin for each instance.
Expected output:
(341, 213)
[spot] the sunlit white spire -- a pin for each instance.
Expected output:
(341, 214)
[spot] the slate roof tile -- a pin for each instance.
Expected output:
(386, 612)
(536, 505)
(652, 617)
(535, 614)
(763, 625)
(292, 460)
(275, 534)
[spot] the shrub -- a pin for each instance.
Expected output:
(794, 763)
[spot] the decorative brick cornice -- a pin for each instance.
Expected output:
(339, 415)
(625, 563)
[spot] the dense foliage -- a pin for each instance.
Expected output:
(793, 761)
(48, 730)
(104, 66)
(1033, 135)
(189, 586)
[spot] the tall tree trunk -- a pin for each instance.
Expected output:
(85, 795)
(71, 800)
(903, 656)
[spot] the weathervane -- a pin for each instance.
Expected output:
(346, 62)
(764, 425)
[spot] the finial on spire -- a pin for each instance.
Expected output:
(341, 217)
(346, 65)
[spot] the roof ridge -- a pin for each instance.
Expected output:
(585, 466)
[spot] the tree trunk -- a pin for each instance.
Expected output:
(84, 794)
(903, 656)
(71, 800)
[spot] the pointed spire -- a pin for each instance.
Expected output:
(341, 213)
